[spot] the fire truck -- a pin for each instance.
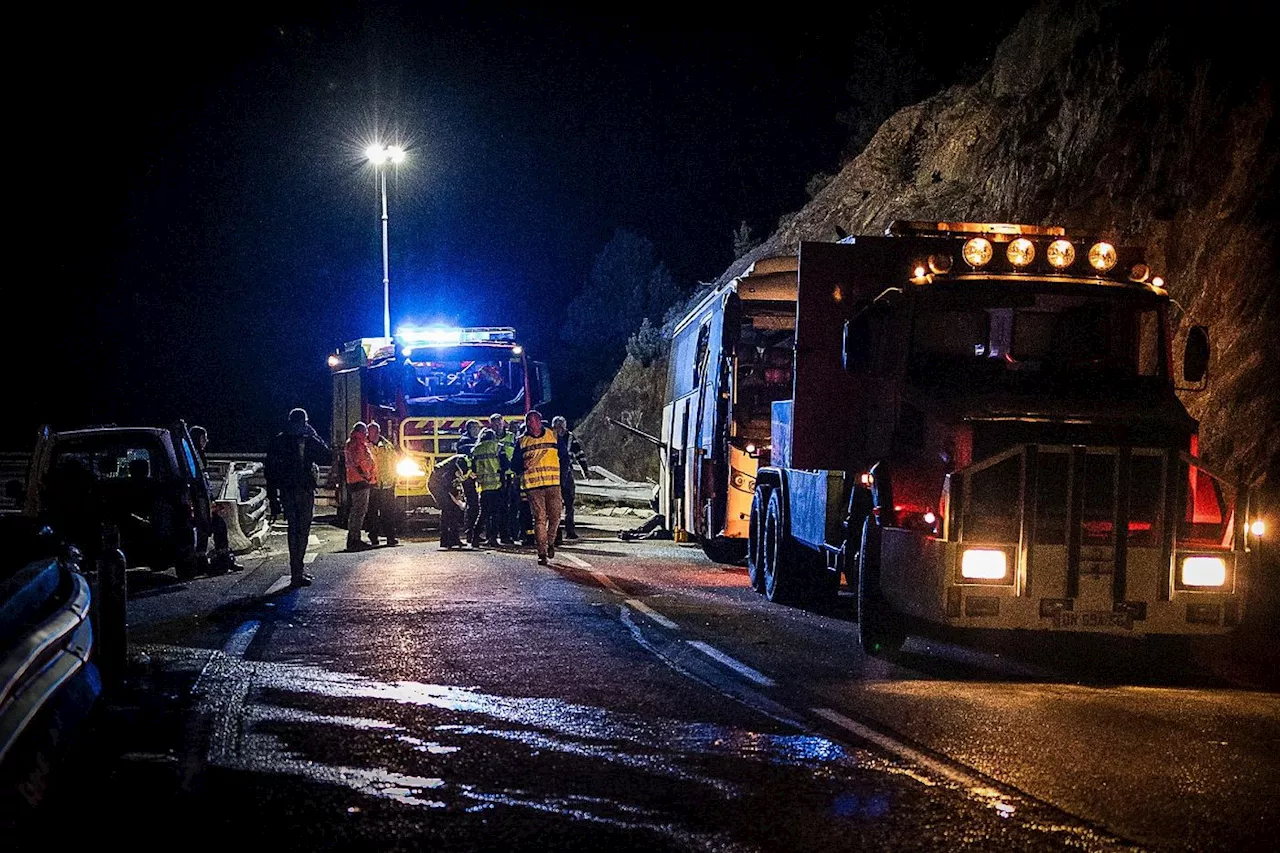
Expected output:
(974, 424)
(422, 385)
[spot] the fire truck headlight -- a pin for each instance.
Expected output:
(1204, 571)
(334, 361)
(408, 468)
(984, 564)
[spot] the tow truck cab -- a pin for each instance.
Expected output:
(983, 432)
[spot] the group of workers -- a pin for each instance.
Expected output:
(369, 459)
(501, 486)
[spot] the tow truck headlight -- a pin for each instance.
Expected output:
(984, 564)
(1102, 256)
(1203, 571)
(1021, 252)
(1060, 254)
(977, 251)
(408, 468)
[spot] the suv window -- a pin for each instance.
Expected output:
(109, 461)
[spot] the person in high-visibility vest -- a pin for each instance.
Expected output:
(537, 460)
(489, 464)
(509, 506)
(362, 475)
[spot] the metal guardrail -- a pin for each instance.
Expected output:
(241, 499)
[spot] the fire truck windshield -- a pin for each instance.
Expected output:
(1020, 337)
(461, 380)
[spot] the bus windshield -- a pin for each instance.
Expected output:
(459, 380)
(1017, 337)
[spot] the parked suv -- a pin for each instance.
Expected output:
(146, 481)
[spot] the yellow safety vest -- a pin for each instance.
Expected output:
(487, 465)
(508, 443)
(541, 460)
(384, 458)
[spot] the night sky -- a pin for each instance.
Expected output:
(202, 229)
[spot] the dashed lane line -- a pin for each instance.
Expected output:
(280, 583)
(652, 614)
(938, 768)
(240, 639)
(577, 561)
(710, 651)
(733, 663)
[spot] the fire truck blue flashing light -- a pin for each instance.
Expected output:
(446, 336)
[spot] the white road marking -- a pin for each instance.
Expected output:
(606, 581)
(577, 561)
(652, 614)
(280, 583)
(955, 775)
(313, 539)
(309, 557)
(734, 664)
(239, 641)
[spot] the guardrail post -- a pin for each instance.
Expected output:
(111, 605)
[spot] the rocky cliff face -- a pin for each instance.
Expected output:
(1113, 118)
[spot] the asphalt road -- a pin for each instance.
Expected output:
(635, 696)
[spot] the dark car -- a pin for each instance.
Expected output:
(50, 682)
(145, 482)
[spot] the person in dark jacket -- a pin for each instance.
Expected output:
(445, 485)
(572, 458)
(470, 493)
(222, 559)
(292, 461)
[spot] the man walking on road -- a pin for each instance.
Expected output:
(538, 462)
(382, 519)
(292, 459)
(361, 478)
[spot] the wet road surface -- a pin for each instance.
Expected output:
(634, 696)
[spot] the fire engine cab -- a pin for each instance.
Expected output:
(422, 386)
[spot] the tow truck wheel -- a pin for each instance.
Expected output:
(783, 573)
(880, 629)
(755, 544)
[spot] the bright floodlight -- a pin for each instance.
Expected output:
(377, 154)
(395, 153)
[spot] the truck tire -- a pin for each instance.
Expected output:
(880, 629)
(755, 537)
(785, 575)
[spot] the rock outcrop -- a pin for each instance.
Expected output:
(1146, 123)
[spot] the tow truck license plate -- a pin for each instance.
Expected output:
(1092, 619)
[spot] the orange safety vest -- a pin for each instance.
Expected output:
(360, 466)
(541, 460)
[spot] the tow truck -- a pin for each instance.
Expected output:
(974, 424)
